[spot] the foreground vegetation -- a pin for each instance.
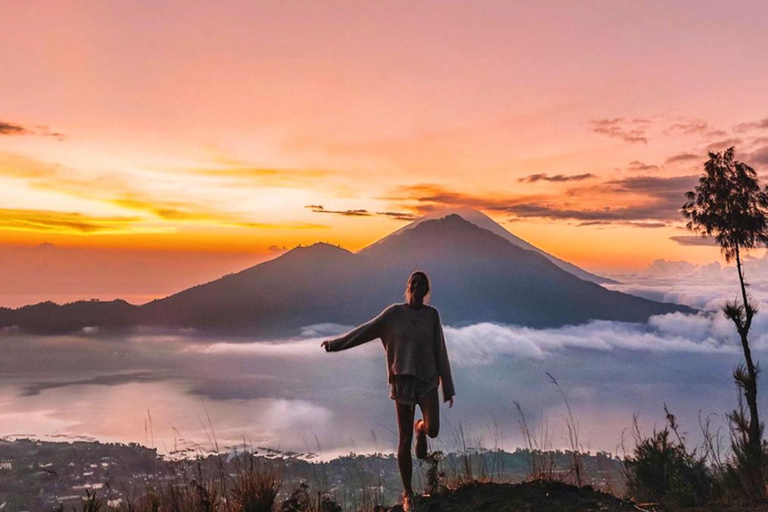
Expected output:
(47, 475)
(659, 473)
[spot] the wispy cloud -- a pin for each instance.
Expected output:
(168, 210)
(401, 215)
(689, 127)
(638, 166)
(658, 200)
(51, 221)
(760, 124)
(638, 201)
(669, 190)
(192, 212)
(683, 158)
(759, 141)
(636, 216)
(17, 129)
(631, 131)
(344, 213)
(693, 240)
(404, 216)
(115, 190)
(758, 157)
(631, 223)
(428, 197)
(266, 177)
(721, 145)
(268, 225)
(55, 177)
(557, 178)
(12, 129)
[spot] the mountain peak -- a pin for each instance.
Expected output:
(318, 249)
(483, 221)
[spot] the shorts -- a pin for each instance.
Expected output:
(407, 389)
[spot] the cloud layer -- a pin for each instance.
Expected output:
(285, 392)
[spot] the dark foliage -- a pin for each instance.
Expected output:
(302, 501)
(729, 205)
(662, 470)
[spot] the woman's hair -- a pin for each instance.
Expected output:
(423, 274)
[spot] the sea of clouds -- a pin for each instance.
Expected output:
(175, 390)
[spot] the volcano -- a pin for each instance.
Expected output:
(481, 220)
(477, 276)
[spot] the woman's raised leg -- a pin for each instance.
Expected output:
(430, 425)
(430, 411)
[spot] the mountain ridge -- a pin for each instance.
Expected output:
(477, 276)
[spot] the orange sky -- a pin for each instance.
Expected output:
(212, 131)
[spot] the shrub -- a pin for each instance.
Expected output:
(301, 501)
(661, 469)
(255, 486)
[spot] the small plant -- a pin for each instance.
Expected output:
(434, 475)
(467, 474)
(255, 486)
(747, 465)
(662, 470)
(577, 464)
(541, 461)
(300, 500)
(90, 504)
(204, 498)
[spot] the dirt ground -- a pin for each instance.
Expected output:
(543, 496)
(529, 496)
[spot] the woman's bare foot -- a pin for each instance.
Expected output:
(421, 440)
(408, 505)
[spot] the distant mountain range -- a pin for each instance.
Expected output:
(478, 275)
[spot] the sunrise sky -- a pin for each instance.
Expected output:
(149, 139)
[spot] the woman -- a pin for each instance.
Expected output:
(417, 362)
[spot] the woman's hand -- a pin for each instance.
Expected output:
(326, 345)
(450, 402)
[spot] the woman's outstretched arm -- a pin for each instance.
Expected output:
(368, 331)
(443, 365)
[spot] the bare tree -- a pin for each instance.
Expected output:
(729, 205)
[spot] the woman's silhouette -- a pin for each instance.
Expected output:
(417, 362)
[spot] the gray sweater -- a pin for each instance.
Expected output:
(413, 341)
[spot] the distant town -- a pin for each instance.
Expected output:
(44, 476)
